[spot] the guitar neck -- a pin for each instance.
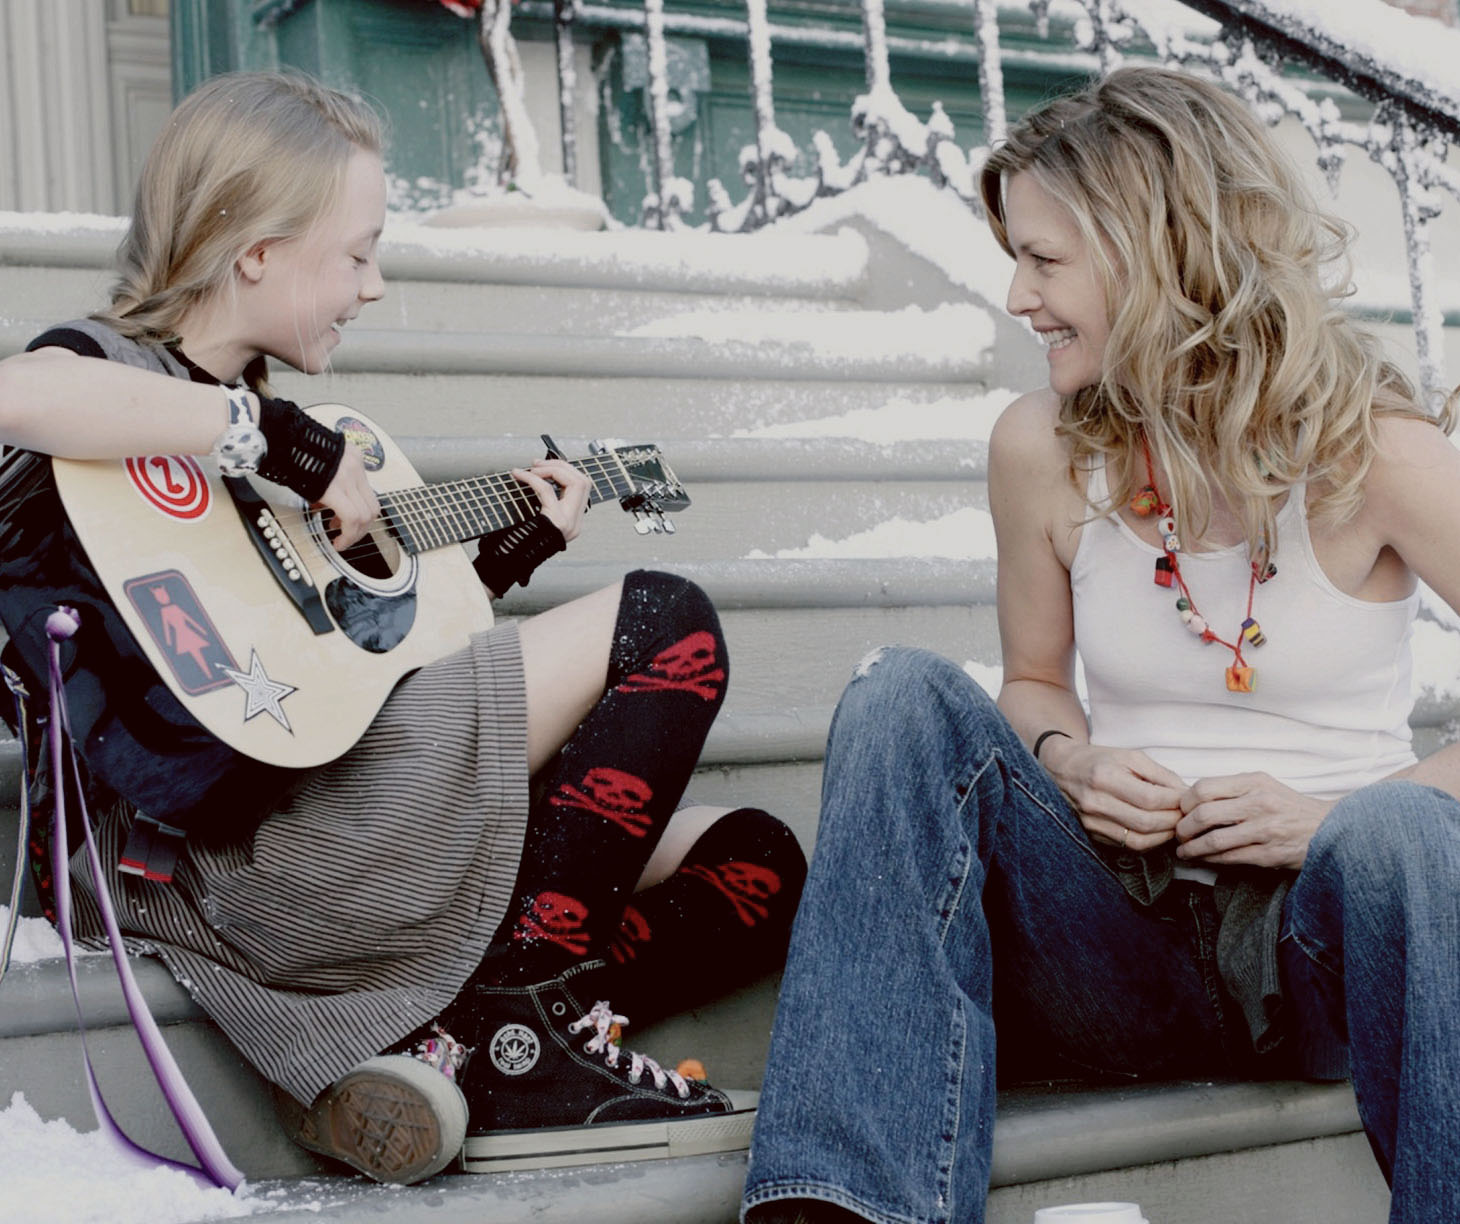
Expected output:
(433, 515)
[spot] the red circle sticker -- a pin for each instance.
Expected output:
(173, 484)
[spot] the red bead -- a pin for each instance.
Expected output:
(1145, 502)
(1165, 571)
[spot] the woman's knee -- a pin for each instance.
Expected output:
(1388, 830)
(902, 684)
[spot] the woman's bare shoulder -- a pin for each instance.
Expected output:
(1024, 435)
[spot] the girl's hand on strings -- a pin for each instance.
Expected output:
(1121, 795)
(351, 501)
(1251, 819)
(562, 490)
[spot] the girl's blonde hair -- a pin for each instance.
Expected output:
(1228, 349)
(244, 158)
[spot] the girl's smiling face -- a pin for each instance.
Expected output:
(1056, 285)
(310, 286)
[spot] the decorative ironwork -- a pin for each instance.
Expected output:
(1413, 124)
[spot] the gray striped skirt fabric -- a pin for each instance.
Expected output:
(358, 909)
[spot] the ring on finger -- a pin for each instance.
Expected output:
(1124, 837)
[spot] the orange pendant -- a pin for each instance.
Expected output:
(1241, 679)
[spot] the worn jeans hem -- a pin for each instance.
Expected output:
(780, 1192)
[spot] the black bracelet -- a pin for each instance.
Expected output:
(511, 554)
(1044, 735)
(302, 454)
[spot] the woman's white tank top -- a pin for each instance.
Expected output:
(1330, 712)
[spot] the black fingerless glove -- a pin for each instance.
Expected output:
(510, 555)
(302, 454)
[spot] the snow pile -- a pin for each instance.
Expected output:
(52, 1173)
(901, 420)
(952, 332)
(966, 535)
(932, 223)
(35, 939)
(68, 224)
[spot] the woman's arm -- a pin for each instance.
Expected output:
(1411, 507)
(1122, 796)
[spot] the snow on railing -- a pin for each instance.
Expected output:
(1402, 65)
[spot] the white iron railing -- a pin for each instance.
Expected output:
(1415, 116)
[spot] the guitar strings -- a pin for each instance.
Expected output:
(464, 501)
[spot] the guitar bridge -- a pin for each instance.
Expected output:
(278, 552)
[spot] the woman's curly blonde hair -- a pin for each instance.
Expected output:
(1228, 349)
(245, 157)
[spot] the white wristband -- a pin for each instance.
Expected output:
(241, 446)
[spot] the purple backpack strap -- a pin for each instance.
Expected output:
(217, 1168)
(7, 940)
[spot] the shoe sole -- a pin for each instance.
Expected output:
(390, 1122)
(612, 1142)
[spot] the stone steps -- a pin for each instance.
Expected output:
(488, 340)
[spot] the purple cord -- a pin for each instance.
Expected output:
(217, 1168)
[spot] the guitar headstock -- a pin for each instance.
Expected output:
(643, 483)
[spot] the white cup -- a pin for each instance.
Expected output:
(1091, 1213)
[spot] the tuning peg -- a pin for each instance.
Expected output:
(641, 523)
(668, 525)
(597, 448)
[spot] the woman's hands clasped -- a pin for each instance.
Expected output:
(1250, 819)
(1125, 798)
(1121, 795)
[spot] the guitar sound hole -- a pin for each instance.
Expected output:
(365, 557)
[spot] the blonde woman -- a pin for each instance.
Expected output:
(406, 941)
(1235, 866)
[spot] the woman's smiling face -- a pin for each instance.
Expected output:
(1056, 285)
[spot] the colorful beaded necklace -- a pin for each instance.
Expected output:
(1241, 677)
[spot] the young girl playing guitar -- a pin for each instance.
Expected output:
(440, 909)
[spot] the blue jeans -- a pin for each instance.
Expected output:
(951, 881)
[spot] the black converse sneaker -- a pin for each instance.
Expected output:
(397, 1117)
(548, 1085)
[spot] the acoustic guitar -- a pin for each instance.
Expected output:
(279, 645)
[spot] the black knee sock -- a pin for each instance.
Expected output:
(720, 921)
(602, 803)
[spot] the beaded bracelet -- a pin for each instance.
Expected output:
(241, 446)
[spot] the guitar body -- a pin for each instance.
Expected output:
(278, 645)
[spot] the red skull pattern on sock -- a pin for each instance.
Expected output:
(611, 793)
(633, 931)
(747, 885)
(691, 665)
(555, 918)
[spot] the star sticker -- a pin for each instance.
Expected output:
(264, 695)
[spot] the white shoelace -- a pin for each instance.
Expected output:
(601, 1018)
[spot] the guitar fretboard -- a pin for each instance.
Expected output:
(433, 515)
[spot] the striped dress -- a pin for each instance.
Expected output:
(357, 910)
